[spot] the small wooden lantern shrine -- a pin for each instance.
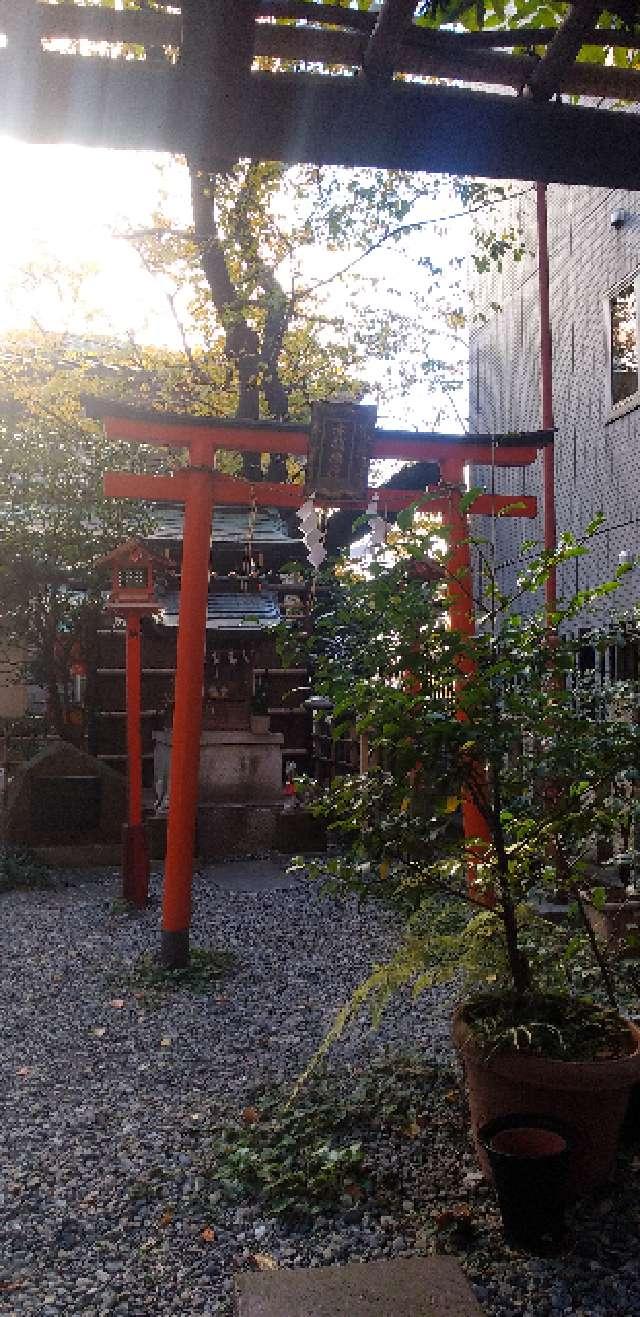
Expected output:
(132, 578)
(132, 595)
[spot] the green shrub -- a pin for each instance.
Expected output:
(19, 867)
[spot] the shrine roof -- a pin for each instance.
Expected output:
(230, 525)
(230, 612)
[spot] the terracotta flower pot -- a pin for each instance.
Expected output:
(590, 1097)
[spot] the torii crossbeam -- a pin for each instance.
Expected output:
(200, 487)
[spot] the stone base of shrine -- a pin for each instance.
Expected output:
(228, 830)
(234, 766)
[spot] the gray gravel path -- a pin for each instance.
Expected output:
(106, 1100)
(101, 1097)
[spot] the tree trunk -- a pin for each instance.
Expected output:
(257, 364)
(518, 963)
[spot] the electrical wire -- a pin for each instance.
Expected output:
(409, 228)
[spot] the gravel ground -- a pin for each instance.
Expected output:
(109, 1104)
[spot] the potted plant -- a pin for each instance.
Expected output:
(260, 721)
(511, 720)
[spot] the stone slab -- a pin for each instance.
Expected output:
(56, 764)
(252, 876)
(99, 856)
(224, 829)
(234, 765)
(402, 1287)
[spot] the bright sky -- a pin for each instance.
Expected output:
(66, 204)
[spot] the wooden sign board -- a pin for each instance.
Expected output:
(340, 443)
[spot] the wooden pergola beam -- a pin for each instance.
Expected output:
(322, 120)
(144, 27)
(383, 47)
(564, 49)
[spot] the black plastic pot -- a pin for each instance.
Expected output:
(529, 1157)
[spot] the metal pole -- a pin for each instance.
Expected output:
(546, 389)
(187, 721)
(461, 615)
(135, 859)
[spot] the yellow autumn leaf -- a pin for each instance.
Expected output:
(451, 804)
(384, 869)
(263, 1262)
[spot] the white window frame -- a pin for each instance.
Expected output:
(616, 409)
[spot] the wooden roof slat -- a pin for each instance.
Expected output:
(565, 47)
(356, 19)
(460, 56)
(384, 44)
(153, 27)
(145, 27)
(439, 55)
(542, 36)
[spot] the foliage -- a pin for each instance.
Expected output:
(202, 975)
(487, 14)
(55, 518)
(548, 1025)
(535, 746)
(260, 700)
(19, 867)
(310, 1157)
(265, 330)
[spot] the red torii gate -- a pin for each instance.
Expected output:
(200, 487)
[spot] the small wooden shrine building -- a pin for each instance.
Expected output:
(254, 586)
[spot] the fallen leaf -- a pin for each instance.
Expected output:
(412, 1130)
(251, 1115)
(459, 1214)
(353, 1190)
(117, 1003)
(99, 1033)
(262, 1262)
(166, 1219)
(208, 1234)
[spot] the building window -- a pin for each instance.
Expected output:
(621, 313)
